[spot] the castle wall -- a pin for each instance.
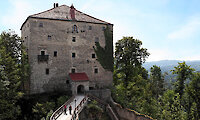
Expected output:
(56, 36)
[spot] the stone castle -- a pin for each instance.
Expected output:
(62, 50)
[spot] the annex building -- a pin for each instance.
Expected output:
(62, 50)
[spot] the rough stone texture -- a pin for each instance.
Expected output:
(127, 114)
(104, 94)
(75, 85)
(61, 32)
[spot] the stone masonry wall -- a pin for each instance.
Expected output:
(56, 36)
(127, 114)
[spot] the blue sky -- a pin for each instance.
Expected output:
(169, 29)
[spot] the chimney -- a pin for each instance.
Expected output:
(55, 5)
(72, 12)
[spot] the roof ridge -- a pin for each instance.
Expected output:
(91, 16)
(47, 10)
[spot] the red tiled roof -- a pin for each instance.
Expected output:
(78, 76)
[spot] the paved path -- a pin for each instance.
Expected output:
(63, 116)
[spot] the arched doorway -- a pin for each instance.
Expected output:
(80, 89)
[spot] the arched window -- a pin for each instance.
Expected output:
(74, 29)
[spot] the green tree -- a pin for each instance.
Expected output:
(183, 72)
(129, 56)
(193, 90)
(171, 107)
(157, 81)
(42, 109)
(93, 111)
(12, 60)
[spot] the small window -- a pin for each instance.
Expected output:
(42, 52)
(96, 39)
(40, 24)
(103, 28)
(55, 54)
(73, 70)
(74, 29)
(93, 56)
(96, 70)
(73, 39)
(47, 71)
(67, 81)
(73, 55)
(90, 28)
(49, 37)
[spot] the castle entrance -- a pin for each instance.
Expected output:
(80, 89)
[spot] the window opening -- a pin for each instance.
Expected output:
(96, 39)
(73, 70)
(49, 37)
(55, 53)
(40, 24)
(75, 29)
(42, 52)
(103, 28)
(73, 39)
(67, 81)
(73, 55)
(93, 55)
(90, 28)
(47, 71)
(96, 70)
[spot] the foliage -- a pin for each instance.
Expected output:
(12, 62)
(157, 81)
(183, 72)
(105, 55)
(94, 112)
(62, 99)
(40, 110)
(193, 90)
(172, 108)
(134, 89)
(129, 56)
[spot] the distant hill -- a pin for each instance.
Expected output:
(168, 65)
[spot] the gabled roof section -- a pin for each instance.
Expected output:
(63, 13)
(78, 77)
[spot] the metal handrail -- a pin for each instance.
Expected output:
(60, 110)
(79, 108)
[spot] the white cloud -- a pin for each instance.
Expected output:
(186, 31)
(159, 54)
(17, 14)
(193, 57)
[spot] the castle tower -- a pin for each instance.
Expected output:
(61, 45)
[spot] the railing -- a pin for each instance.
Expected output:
(43, 58)
(79, 108)
(60, 110)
